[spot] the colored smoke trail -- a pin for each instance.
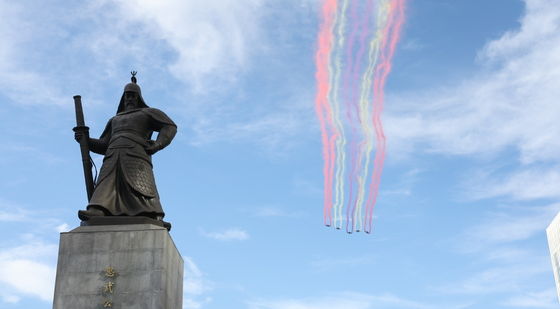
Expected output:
(367, 126)
(392, 33)
(352, 69)
(356, 44)
(334, 98)
(322, 106)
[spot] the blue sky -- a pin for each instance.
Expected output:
(469, 185)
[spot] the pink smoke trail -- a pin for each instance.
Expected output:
(391, 37)
(322, 106)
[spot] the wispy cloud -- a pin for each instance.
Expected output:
(227, 235)
(511, 278)
(211, 38)
(203, 44)
(307, 187)
(16, 76)
(272, 211)
(512, 224)
(522, 185)
(325, 264)
(412, 44)
(28, 259)
(9, 298)
(504, 263)
(274, 130)
(64, 227)
(195, 285)
(12, 213)
(347, 301)
(542, 299)
(23, 271)
(405, 184)
(511, 103)
(17, 150)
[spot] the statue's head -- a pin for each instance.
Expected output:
(132, 96)
(130, 100)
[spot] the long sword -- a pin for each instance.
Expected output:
(84, 148)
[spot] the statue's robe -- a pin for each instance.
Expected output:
(125, 185)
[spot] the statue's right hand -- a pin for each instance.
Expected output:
(78, 136)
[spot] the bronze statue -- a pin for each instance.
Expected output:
(125, 185)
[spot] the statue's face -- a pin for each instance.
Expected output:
(130, 100)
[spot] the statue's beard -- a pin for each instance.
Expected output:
(130, 105)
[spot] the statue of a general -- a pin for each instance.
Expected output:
(125, 185)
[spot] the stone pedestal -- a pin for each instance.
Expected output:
(118, 266)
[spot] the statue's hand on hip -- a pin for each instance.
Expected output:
(153, 147)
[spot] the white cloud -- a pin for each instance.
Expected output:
(537, 23)
(337, 303)
(513, 224)
(510, 105)
(27, 261)
(347, 301)
(512, 278)
(212, 38)
(205, 44)
(541, 299)
(29, 277)
(513, 104)
(226, 235)
(194, 286)
(405, 184)
(39, 219)
(23, 271)
(10, 213)
(16, 150)
(18, 81)
(503, 262)
(524, 184)
(275, 131)
(64, 227)
(10, 299)
(212, 43)
(194, 283)
(508, 254)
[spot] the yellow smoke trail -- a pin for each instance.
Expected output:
(364, 106)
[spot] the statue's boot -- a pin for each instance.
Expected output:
(166, 224)
(85, 215)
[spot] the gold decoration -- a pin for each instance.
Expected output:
(108, 287)
(110, 272)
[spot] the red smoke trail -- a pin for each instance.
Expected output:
(322, 106)
(391, 37)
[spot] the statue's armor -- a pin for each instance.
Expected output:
(126, 184)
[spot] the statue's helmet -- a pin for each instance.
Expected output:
(132, 87)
